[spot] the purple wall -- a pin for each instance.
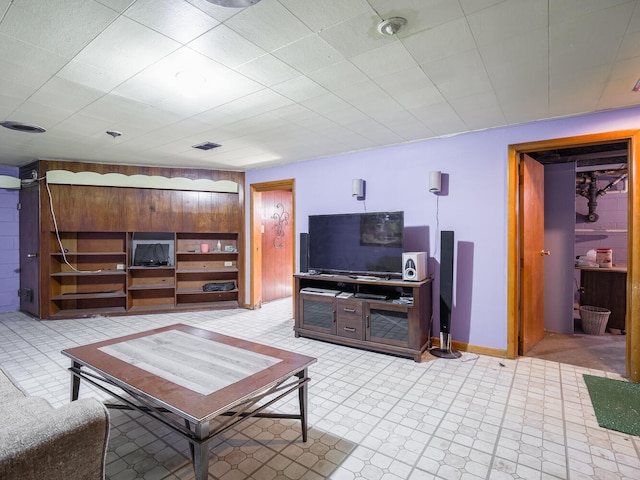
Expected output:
(475, 207)
(9, 245)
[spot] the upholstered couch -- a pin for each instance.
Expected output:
(40, 442)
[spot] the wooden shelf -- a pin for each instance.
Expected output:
(88, 312)
(89, 295)
(196, 291)
(151, 286)
(88, 254)
(89, 274)
(207, 270)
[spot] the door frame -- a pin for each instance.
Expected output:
(255, 234)
(633, 265)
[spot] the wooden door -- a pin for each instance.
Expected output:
(277, 248)
(531, 253)
(29, 228)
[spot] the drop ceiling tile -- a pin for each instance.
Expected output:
(269, 25)
(459, 75)
(356, 35)
(267, 70)
(495, 24)
(326, 104)
(24, 67)
(65, 95)
(617, 93)
(441, 41)
(478, 111)
(378, 134)
(411, 88)
(226, 47)
(8, 104)
(300, 89)
(440, 118)
(41, 24)
(517, 59)
(389, 58)
(254, 104)
(471, 6)
(318, 17)
(629, 47)
(119, 52)
(308, 54)
(181, 22)
(572, 10)
(338, 75)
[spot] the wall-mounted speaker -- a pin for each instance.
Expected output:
(435, 182)
(358, 186)
(414, 266)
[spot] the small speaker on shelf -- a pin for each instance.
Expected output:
(414, 266)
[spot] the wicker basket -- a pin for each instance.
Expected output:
(594, 319)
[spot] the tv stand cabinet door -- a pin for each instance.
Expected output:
(388, 323)
(317, 313)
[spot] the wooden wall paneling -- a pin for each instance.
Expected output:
(128, 210)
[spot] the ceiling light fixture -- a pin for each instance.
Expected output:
(234, 3)
(114, 133)
(22, 127)
(391, 26)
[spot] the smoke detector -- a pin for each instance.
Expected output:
(391, 26)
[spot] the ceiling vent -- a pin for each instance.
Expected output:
(207, 146)
(22, 127)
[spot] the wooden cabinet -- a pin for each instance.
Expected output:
(606, 288)
(396, 322)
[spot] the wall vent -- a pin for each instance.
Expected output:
(207, 146)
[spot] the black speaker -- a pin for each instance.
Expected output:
(304, 252)
(446, 296)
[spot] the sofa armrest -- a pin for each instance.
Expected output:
(64, 443)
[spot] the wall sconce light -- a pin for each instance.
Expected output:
(358, 187)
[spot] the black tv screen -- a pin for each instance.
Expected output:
(358, 243)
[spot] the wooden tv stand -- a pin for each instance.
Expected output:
(389, 325)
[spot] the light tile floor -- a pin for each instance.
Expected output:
(372, 416)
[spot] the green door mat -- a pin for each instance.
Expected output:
(616, 403)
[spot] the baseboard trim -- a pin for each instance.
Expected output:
(479, 349)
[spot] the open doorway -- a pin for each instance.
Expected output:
(272, 241)
(518, 267)
(586, 210)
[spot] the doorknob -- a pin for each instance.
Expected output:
(32, 255)
(545, 252)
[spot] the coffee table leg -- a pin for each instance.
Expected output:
(302, 397)
(75, 382)
(201, 453)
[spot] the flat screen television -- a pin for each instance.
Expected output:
(357, 243)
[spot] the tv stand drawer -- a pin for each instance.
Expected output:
(350, 328)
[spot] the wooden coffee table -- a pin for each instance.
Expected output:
(187, 377)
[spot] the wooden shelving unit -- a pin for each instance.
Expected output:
(92, 274)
